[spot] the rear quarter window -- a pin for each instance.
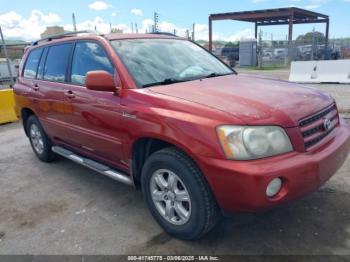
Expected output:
(32, 63)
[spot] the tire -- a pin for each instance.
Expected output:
(40, 142)
(201, 208)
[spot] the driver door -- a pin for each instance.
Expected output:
(94, 125)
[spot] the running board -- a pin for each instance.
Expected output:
(96, 166)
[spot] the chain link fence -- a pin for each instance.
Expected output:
(279, 53)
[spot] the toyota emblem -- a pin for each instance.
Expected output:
(327, 124)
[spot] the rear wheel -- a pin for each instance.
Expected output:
(177, 194)
(39, 141)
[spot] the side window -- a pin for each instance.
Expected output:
(88, 56)
(32, 63)
(56, 62)
(40, 73)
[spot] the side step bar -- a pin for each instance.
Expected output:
(98, 167)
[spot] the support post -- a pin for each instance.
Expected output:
(290, 38)
(210, 35)
(327, 33)
(256, 30)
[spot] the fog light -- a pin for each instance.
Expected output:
(273, 187)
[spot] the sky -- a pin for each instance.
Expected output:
(26, 19)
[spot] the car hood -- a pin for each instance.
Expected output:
(254, 100)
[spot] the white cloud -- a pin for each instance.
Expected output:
(100, 24)
(113, 14)
(30, 28)
(201, 31)
(99, 5)
(137, 12)
(15, 26)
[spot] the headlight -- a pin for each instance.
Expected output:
(253, 142)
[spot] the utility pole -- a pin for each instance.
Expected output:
(193, 31)
(110, 27)
(174, 31)
(6, 56)
(156, 21)
(132, 27)
(188, 34)
(136, 28)
(74, 22)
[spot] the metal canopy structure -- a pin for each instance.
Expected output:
(280, 16)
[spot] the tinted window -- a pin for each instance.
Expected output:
(32, 63)
(41, 64)
(88, 56)
(56, 62)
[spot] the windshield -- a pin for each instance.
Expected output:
(167, 61)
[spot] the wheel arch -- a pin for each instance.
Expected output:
(143, 147)
(25, 114)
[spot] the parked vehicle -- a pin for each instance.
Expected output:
(4, 70)
(163, 114)
(280, 53)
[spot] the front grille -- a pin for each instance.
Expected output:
(315, 128)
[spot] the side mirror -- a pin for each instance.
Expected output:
(100, 81)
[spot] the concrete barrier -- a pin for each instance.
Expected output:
(330, 71)
(7, 103)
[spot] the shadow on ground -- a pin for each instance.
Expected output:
(318, 224)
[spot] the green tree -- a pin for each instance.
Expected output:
(311, 36)
(231, 44)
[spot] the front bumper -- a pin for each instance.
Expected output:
(240, 186)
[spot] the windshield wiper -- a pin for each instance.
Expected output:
(167, 81)
(216, 75)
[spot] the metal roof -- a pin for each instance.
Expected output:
(278, 16)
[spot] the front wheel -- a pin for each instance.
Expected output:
(177, 194)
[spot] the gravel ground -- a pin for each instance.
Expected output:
(63, 208)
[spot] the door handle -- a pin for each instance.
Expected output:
(69, 94)
(35, 87)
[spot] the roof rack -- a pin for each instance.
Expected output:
(67, 34)
(163, 33)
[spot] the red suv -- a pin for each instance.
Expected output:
(163, 114)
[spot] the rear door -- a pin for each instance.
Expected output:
(48, 88)
(94, 126)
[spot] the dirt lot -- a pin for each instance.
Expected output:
(63, 208)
